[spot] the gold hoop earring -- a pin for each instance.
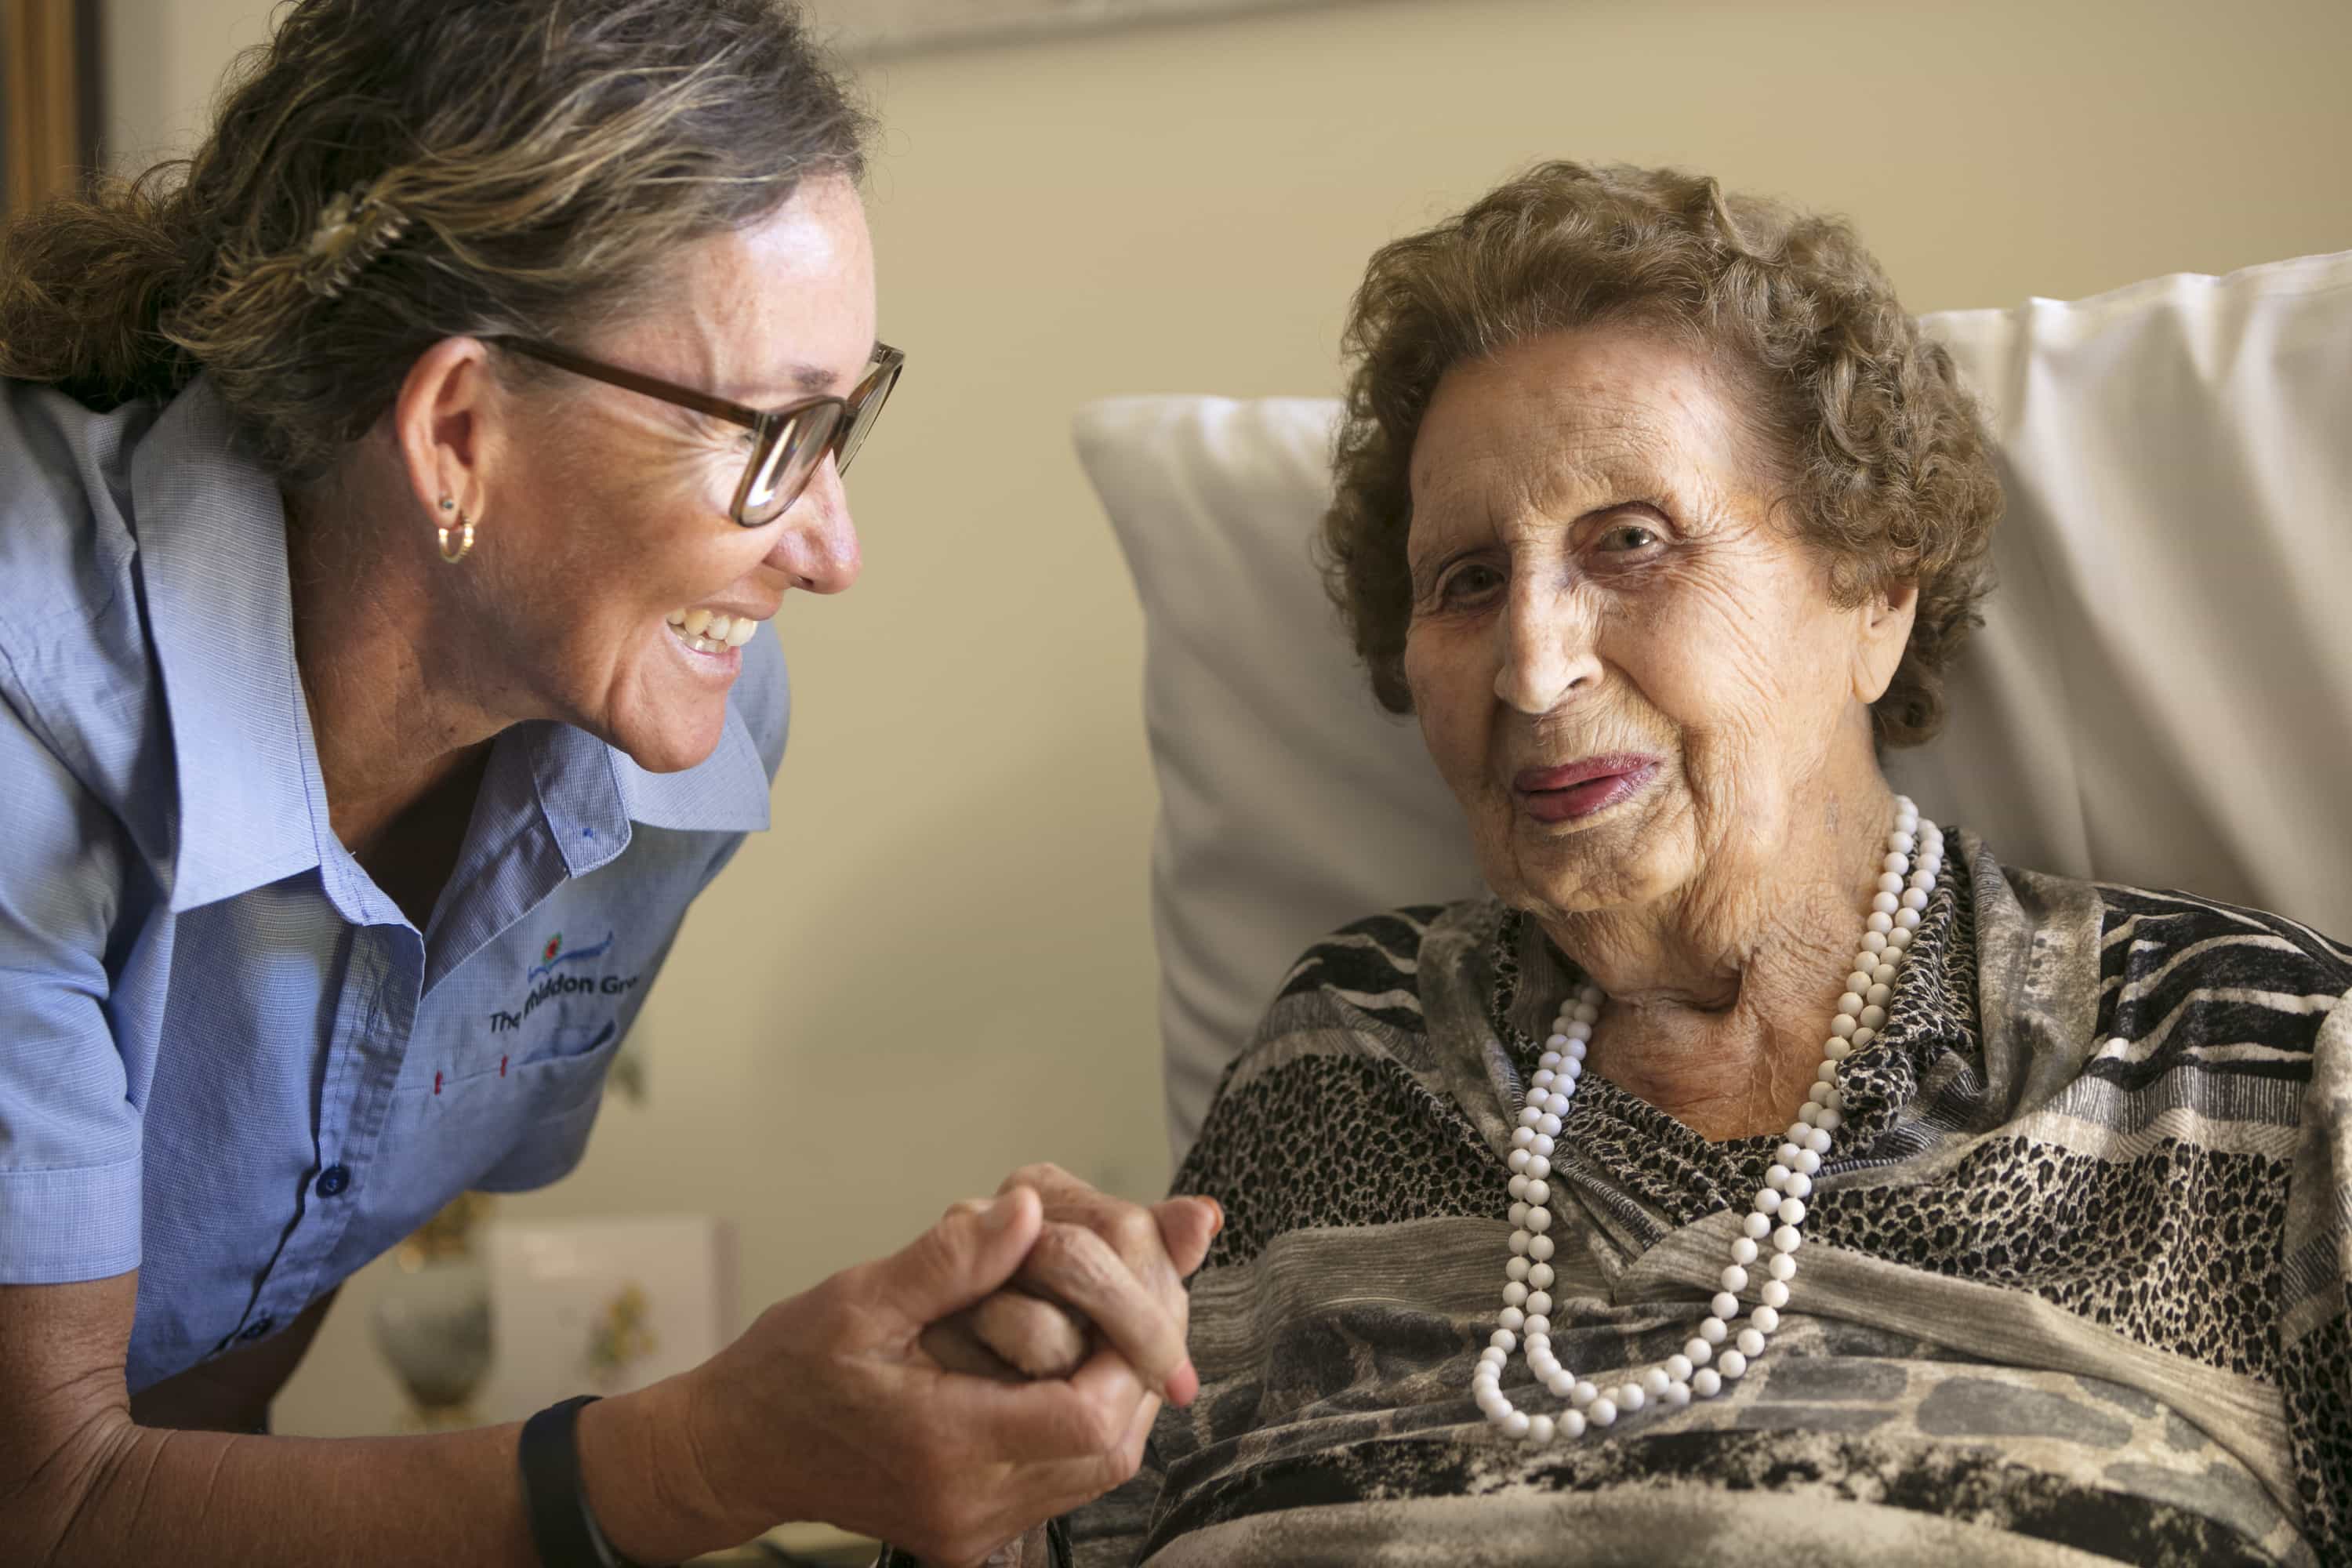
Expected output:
(465, 535)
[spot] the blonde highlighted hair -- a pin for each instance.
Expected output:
(385, 174)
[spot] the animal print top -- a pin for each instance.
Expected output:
(2073, 1288)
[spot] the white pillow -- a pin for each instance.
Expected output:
(2161, 694)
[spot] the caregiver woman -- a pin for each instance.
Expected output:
(391, 518)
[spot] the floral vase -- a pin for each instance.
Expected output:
(433, 1322)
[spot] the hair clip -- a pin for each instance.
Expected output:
(352, 231)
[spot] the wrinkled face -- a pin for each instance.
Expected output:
(1629, 673)
(608, 511)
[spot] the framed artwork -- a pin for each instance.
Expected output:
(871, 27)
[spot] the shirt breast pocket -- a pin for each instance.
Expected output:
(520, 1124)
(567, 1040)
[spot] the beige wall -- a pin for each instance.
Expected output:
(938, 964)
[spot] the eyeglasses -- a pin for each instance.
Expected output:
(788, 443)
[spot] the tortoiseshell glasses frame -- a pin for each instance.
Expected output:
(787, 443)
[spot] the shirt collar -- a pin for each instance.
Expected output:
(212, 536)
(590, 794)
(727, 791)
(212, 545)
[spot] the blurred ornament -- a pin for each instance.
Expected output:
(433, 1322)
(622, 1335)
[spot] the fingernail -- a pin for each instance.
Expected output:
(1184, 1384)
(999, 1214)
(1218, 1210)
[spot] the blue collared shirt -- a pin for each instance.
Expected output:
(226, 1058)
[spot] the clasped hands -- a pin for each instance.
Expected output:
(1004, 1368)
(1092, 1253)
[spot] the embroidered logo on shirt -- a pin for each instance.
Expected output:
(545, 982)
(553, 953)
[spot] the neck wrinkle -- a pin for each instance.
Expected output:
(1720, 997)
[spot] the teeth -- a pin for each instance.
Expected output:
(709, 631)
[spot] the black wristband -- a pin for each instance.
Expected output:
(562, 1529)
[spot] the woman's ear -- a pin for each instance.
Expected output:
(441, 423)
(1884, 631)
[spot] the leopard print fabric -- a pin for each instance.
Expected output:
(2142, 1184)
(1391, 1145)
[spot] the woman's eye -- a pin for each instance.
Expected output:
(1628, 536)
(1469, 583)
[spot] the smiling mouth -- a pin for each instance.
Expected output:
(709, 631)
(1581, 789)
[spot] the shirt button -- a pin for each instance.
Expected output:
(255, 1328)
(332, 1181)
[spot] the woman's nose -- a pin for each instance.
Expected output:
(818, 547)
(1549, 653)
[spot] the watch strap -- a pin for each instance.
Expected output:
(562, 1528)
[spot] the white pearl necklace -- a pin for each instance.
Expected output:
(1779, 1206)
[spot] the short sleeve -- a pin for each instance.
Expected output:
(69, 1135)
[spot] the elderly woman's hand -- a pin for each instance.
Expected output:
(1031, 1330)
(1012, 1335)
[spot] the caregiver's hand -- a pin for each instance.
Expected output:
(1094, 1247)
(828, 1408)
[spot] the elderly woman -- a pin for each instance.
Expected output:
(1762, 1169)
(394, 508)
